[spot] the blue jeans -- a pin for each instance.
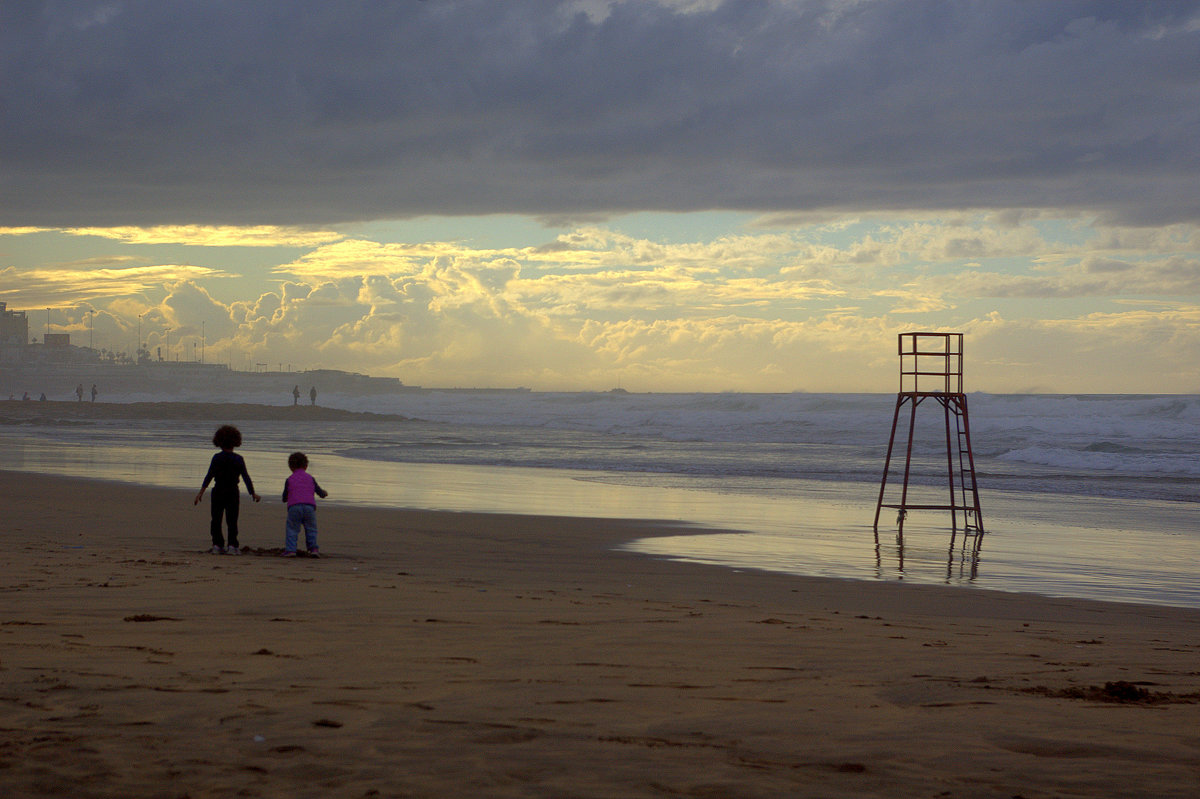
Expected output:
(301, 515)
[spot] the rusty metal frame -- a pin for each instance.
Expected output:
(931, 366)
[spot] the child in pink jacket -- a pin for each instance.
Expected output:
(300, 492)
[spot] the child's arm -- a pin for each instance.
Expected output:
(207, 479)
(249, 482)
(285, 488)
(322, 493)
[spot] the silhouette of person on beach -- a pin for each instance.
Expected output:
(300, 492)
(94, 392)
(296, 395)
(79, 392)
(224, 471)
(312, 396)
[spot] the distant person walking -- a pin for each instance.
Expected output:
(79, 392)
(296, 395)
(94, 392)
(312, 395)
(300, 492)
(224, 471)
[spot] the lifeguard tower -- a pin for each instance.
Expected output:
(931, 368)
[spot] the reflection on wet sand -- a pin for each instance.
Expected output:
(962, 556)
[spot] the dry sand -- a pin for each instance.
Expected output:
(454, 655)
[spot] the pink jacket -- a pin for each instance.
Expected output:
(302, 489)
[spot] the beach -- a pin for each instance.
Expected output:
(437, 654)
(790, 481)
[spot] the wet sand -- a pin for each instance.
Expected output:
(458, 654)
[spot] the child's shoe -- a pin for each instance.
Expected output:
(314, 552)
(233, 550)
(287, 554)
(216, 550)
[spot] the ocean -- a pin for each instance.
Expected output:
(1089, 496)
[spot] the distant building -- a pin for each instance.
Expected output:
(57, 340)
(14, 327)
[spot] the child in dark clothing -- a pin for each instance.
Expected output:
(224, 471)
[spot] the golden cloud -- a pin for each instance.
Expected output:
(55, 288)
(212, 235)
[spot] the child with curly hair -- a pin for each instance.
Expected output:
(226, 468)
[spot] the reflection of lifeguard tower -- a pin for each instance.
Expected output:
(931, 367)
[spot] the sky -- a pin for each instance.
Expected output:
(660, 195)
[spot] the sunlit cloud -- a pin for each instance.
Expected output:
(1089, 276)
(211, 235)
(727, 352)
(906, 301)
(1142, 350)
(805, 308)
(58, 287)
(356, 257)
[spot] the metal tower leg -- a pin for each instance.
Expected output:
(887, 461)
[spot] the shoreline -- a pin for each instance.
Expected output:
(450, 653)
(42, 411)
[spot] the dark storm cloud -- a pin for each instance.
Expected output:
(159, 111)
